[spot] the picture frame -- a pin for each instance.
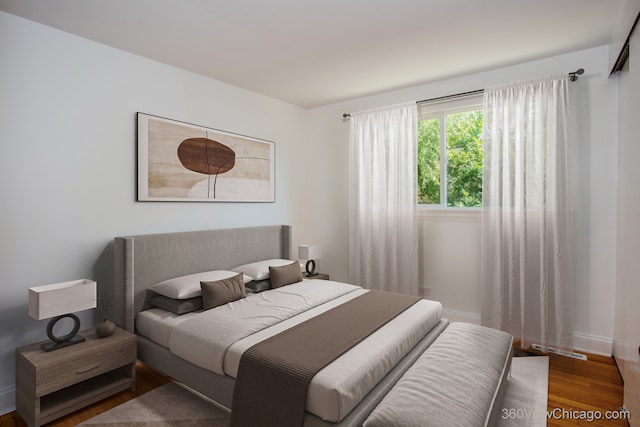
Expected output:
(179, 161)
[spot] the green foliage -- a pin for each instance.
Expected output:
(429, 161)
(464, 159)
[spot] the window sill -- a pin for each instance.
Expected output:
(450, 214)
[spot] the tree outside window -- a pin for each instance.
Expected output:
(450, 159)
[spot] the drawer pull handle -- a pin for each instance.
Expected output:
(89, 368)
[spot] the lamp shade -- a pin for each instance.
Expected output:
(313, 251)
(61, 298)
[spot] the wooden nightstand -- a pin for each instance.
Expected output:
(318, 276)
(52, 384)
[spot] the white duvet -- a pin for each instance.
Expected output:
(215, 339)
(204, 339)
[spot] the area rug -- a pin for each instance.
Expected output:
(525, 399)
(524, 403)
(169, 405)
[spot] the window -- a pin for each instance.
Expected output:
(450, 153)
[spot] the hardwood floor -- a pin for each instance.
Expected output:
(578, 391)
(589, 389)
(584, 392)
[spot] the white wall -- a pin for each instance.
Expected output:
(627, 334)
(450, 243)
(68, 162)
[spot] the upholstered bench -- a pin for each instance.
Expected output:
(457, 381)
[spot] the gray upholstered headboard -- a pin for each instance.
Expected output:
(142, 261)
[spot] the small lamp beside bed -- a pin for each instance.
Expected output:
(58, 301)
(310, 253)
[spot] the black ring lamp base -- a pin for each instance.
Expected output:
(66, 340)
(310, 266)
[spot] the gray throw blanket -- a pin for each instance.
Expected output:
(273, 376)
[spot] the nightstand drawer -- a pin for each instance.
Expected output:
(83, 364)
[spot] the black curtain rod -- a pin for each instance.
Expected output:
(573, 76)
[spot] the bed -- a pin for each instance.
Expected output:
(147, 260)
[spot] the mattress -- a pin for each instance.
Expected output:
(336, 389)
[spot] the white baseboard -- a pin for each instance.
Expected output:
(593, 344)
(7, 400)
(581, 342)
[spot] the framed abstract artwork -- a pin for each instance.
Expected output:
(183, 162)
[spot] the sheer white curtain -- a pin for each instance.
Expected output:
(527, 262)
(383, 233)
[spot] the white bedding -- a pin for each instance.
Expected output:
(336, 389)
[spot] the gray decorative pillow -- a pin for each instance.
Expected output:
(258, 285)
(222, 291)
(259, 270)
(177, 306)
(285, 275)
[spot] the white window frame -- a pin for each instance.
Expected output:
(439, 109)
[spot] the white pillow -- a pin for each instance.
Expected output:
(260, 270)
(185, 287)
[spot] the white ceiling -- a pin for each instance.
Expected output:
(317, 52)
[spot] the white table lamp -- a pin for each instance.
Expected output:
(310, 253)
(58, 301)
